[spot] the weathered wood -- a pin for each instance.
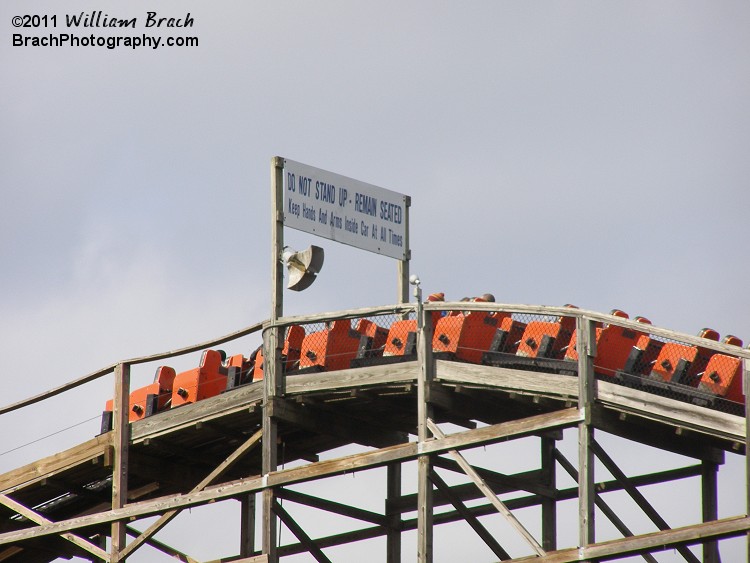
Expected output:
(602, 505)
(549, 504)
(121, 445)
(586, 348)
(485, 435)
(332, 506)
(39, 519)
(488, 492)
(173, 420)
(472, 520)
(392, 514)
(329, 422)
(424, 413)
(358, 378)
(529, 481)
(168, 516)
(247, 525)
(164, 548)
(710, 508)
(670, 411)
(54, 464)
(300, 534)
(638, 497)
(647, 543)
(660, 436)
(516, 380)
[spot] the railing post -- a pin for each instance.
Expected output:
(549, 505)
(393, 517)
(586, 345)
(273, 378)
(424, 412)
(121, 428)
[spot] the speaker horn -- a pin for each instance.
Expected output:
(303, 266)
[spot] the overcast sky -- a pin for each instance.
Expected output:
(593, 153)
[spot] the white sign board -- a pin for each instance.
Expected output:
(345, 210)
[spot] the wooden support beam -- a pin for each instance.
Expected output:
(481, 484)
(331, 506)
(710, 508)
(32, 473)
(300, 534)
(586, 348)
(638, 497)
(647, 543)
(169, 515)
(121, 429)
(247, 525)
(164, 548)
(357, 462)
(549, 504)
(326, 421)
(424, 413)
(602, 505)
(39, 519)
(392, 514)
(528, 481)
(472, 520)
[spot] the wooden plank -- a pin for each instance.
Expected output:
(647, 543)
(472, 520)
(331, 506)
(356, 378)
(516, 380)
(601, 503)
(638, 497)
(392, 514)
(164, 548)
(332, 423)
(224, 404)
(168, 516)
(54, 464)
(121, 445)
(489, 434)
(482, 485)
(39, 519)
(586, 347)
(425, 529)
(710, 508)
(669, 411)
(300, 534)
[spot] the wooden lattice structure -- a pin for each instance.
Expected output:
(397, 412)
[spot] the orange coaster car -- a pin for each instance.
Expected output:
(207, 380)
(332, 348)
(468, 336)
(146, 400)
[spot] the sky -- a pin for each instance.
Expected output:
(581, 152)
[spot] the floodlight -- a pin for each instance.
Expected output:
(303, 266)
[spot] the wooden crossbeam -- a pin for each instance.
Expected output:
(171, 514)
(358, 462)
(647, 543)
(297, 530)
(488, 492)
(638, 497)
(41, 520)
(601, 503)
(472, 520)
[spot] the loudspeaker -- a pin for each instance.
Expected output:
(303, 266)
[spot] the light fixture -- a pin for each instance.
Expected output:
(303, 266)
